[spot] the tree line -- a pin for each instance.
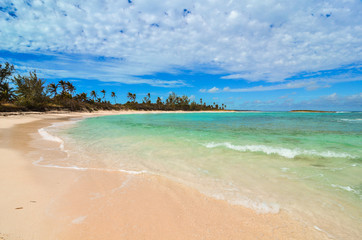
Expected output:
(32, 93)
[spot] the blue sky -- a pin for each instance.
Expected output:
(263, 55)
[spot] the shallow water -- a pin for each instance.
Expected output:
(309, 164)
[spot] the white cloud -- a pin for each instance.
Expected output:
(328, 102)
(213, 90)
(252, 40)
(335, 102)
(332, 97)
(234, 76)
(86, 68)
(164, 83)
(309, 84)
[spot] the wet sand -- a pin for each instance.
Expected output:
(50, 203)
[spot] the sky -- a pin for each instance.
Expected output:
(247, 54)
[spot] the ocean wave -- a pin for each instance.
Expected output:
(47, 136)
(133, 172)
(346, 188)
(351, 120)
(259, 207)
(284, 152)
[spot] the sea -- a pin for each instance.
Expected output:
(306, 164)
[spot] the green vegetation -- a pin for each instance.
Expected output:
(33, 94)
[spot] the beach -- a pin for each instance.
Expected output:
(187, 120)
(40, 202)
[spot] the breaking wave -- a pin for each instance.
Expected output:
(284, 152)
(346, 188)
(47, 136)
(351, 120)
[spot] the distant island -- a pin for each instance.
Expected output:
(312, 111)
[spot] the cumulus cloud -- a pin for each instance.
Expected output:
(211, 90)
(251, 40)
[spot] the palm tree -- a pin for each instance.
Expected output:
(200, 101)
(131, 97)
(148, 99)
(93, 95)
(70, 87)
(63, 85)
(104, 93)
(185, 99)
(113, 95)
(53, 89)
(171, 100)
(177, 100)
(82, 97)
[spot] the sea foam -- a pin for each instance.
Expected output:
(258, 206)
(351, 120)
(41, 159)
(47, 136)
(346, 188)
(284, 152)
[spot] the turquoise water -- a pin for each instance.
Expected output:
(308, 164)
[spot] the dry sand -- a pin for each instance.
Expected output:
(40, 203)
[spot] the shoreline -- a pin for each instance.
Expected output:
(107, 112)
(46, 203)
(115, 112)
